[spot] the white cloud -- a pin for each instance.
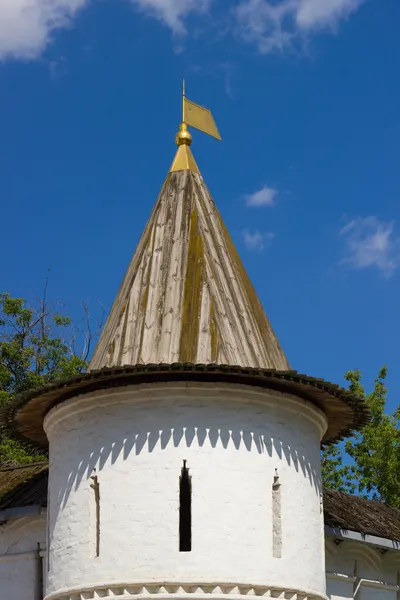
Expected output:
(228, 69)
(26, 26)
(256, 240)
(264, 197)
(273, 24)
(172, 12)
(370, 242)
(312, 14)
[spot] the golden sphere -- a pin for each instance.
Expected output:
(183, 137)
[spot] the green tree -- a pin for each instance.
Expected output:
(335, 474)
(37, 345)
(372, 468)
(376, 450)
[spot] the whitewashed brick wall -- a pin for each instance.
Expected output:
(233, 439)
(346, 564)
(20, 562)
(361, 570)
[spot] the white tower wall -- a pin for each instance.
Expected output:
(249, 536)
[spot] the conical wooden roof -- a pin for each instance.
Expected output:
(186, 296)
(186, 311)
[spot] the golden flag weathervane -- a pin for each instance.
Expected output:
(198, 117)
(195, 116)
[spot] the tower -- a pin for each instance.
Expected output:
(185, 463)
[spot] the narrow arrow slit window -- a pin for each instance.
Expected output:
(185, 510)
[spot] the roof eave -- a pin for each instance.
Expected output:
(23, 416)
(358, 536)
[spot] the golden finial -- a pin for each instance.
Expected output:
(183, 137)
(195, 116)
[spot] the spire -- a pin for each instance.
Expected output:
(186, 296)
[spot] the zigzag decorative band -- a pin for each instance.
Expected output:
(184, 591)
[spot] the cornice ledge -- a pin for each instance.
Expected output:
(183, 591)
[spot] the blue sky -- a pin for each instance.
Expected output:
(306, 95)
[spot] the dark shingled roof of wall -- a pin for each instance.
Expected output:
(24, 486)
(368, 517)
(27, 486)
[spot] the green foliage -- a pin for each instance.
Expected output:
(336, 475)
(36, 347)
(12, 453)
(372, 467)
(376, 450)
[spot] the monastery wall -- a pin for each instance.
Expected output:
(362, 571)
(22, 558)
(253, 458)
(350, 566)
